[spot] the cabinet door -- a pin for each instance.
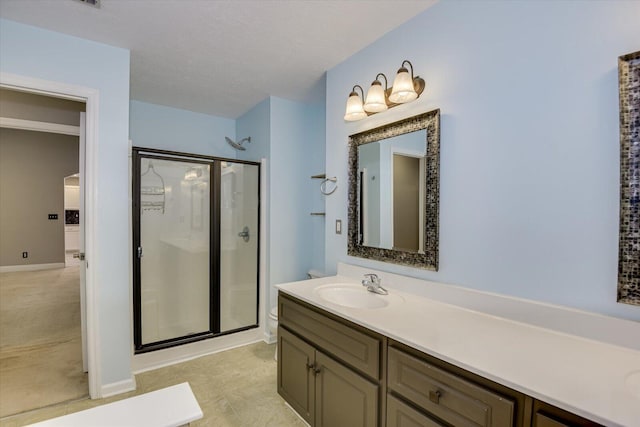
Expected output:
(295, 373)
(343, 398)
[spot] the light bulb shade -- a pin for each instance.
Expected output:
(354, 108)
(375, 102)
(402, 90)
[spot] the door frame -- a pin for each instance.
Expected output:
(90, 97)
(421, 190)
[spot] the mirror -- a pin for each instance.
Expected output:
(394, 192)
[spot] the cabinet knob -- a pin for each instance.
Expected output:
(434, 396)
(311, 366)
(316, 371)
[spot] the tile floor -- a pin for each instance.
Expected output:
(235, 388)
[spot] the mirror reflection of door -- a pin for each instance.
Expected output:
(406, 203)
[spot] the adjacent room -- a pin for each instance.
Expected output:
(324, 213)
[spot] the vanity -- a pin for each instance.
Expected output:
(414, 359)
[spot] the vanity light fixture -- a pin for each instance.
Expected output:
(355, 110)
(376, 101)
(406, 88)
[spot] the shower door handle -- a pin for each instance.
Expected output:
(244, 234)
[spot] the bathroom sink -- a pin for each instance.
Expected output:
(352, 296)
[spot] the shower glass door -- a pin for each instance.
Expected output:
(195, 244)
(239, 213)
(175, 249)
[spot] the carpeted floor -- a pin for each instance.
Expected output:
(40, 341)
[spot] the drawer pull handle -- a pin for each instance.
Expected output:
(434, 396)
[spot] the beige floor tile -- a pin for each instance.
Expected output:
(236, 388)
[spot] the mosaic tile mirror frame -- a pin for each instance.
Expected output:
(428, 257)
(629, 246)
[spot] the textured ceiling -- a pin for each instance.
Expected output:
(222, 57)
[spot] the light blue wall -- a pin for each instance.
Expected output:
(290, 135)
(529, 194)
(256, 123)
(37, 53)
(296, 154)
(166, 128)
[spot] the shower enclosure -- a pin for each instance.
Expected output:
(195, 246)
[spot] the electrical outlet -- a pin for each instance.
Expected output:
(25, 254)
(338, 226)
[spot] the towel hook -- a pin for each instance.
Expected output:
(323, 186)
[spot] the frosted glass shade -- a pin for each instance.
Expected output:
(354, 108)
(403, 90)
(375, 98)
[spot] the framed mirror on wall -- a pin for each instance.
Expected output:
(394, 192)
(629, 244)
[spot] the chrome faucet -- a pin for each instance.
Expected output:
(372, 283)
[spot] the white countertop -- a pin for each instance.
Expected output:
(168, 407)
(593, 379)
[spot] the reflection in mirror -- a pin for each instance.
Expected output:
(394, 192)
(391, 193)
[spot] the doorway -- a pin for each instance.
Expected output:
(42, 317)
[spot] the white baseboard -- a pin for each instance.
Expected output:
(30, 267)
(270, 339)
(161, 358)
(118, 387)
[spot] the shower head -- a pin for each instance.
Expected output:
(238, 145)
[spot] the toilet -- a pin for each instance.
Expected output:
(273, 313)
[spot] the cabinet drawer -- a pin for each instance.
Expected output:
(449, 397)
(400, 414)
(540, 420)
(353, 347)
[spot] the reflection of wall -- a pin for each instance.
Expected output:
(530, 143)
(378, 156)
(369, 162)
(32, 170)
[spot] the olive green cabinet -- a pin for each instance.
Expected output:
(321, 390)
(324, 376)
(296, 373)
(399, 414)
(545, 415)
(335, 373)
(444, 395)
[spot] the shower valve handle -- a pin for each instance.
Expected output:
(244, 234)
